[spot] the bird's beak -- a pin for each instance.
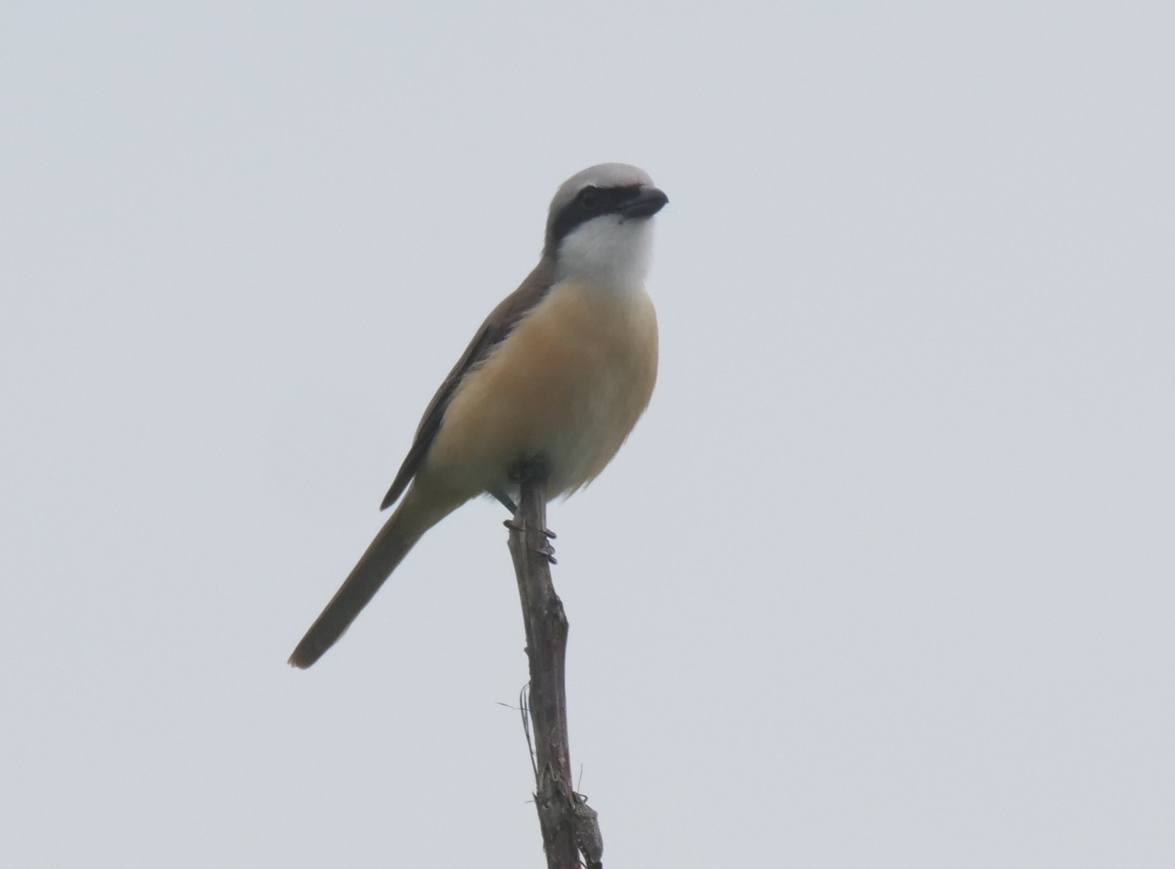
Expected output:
(646, 203)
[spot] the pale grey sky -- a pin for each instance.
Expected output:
(884, 578)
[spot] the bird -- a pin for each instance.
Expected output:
(556, 377)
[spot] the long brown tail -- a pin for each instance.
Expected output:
(404, 527)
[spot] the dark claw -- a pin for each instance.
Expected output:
(546, 550)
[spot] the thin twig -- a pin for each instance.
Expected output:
(524, 706)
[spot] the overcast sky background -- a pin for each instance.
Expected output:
(883, 578)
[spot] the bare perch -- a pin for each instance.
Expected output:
(568, 824)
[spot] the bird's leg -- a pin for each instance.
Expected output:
(521, 470)
(506, 501)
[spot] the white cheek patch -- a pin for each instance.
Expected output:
(609, 251)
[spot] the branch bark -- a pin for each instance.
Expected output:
(568, 824)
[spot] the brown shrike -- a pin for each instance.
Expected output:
(556, 376)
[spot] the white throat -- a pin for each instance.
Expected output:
(609, 251)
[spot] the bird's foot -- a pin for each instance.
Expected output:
(544, 548)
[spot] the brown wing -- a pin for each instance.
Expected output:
(497, 326)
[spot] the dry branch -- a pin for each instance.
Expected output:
(568, 824)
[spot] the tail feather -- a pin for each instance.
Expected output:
(399, 534)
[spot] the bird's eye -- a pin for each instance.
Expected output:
(591, 199)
